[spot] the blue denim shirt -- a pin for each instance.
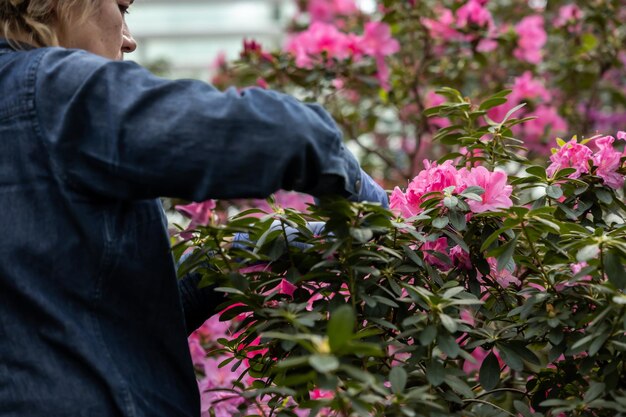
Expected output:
(91, 321)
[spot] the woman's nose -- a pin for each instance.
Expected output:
(128, 42)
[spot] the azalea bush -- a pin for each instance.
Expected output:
(479, 294)
(494, 285)
(377, 72)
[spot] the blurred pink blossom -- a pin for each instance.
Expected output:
(569, 14)
(571, 155)
(527, 87)
(199, 213)
(378, 42)
(497, 193)
(547, 122)
(442, 26)
(327, 10)
(324, 38)
(473, 13)
(317, 39)
(532, 38)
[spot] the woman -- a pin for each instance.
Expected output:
(91, 318)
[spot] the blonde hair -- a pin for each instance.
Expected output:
(36, 22)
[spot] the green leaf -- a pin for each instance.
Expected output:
(361, 235)
(614, 269)
(588, 252)
(441, 222)
(554, 191)
(510, 113)
(595, 390)
(340, 327)
(435, 373)
(324, 363)
(537, 171)
(604, 196)
(492, 102)
(448, 322)
(448, 345)
(512, 359)
(427, 335)
(458, 220)
(489, 375)
(397, 378)
(474, 189)
(507, 254)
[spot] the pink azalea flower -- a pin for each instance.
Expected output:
(497, 192)
(441, 246)
(317, 39)
(199, 213)
(473, 13)
(286, 287)
(575, 268)
(571, 155)
(222, 403)
(399, 204)
(433, 178)
(441, 27)
(608, 160)
(569, 14)
(528, 87)
(504, 278)
(532, 38)
(286, 199)
(261, 82)
(621, 135)
(328, 10)
(378, 42)
(460, 258)
(467, 317)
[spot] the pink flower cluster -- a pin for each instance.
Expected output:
(456, 26)
(328, 10)
(569, 16)
(528, 88)
(532, 38)
(321, 38)
(438, 177)
(199, 213)
(606, 160)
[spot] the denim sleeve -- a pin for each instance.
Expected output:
(115, 130)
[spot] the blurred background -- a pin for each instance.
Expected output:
(181, 39)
